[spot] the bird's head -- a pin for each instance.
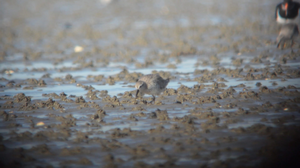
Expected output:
(140, 86)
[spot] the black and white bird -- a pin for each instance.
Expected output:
(287, 12)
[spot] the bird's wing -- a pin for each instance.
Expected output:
(147, 78)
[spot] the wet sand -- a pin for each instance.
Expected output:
(68, 70)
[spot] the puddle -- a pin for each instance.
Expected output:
(202, 35)
(38, 92)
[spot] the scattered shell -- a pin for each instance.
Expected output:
(78, 49)
(40, 124)
(9, 72)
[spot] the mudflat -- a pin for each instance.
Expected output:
(68, 70)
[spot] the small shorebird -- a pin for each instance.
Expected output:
(287, 32)
(151, 84)
(287, 12)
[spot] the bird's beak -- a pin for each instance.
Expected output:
(137, 92)
(286, 5)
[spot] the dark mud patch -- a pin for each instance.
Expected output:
(67, 100)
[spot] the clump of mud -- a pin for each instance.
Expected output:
(244, 111)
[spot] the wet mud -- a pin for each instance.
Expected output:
(68, 69)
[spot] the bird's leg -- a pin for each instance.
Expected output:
(137, 93)
(153, 99)
(292, 52)
(278, 44)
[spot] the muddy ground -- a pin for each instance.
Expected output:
(68, 70)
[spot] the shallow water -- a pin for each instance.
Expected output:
(184, 40)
